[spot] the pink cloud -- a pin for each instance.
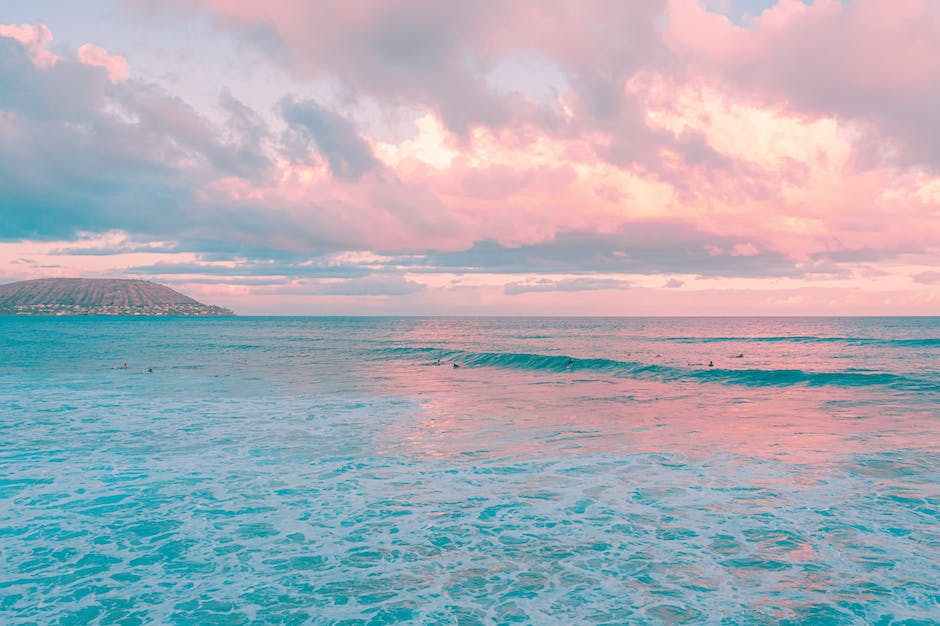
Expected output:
(873, 62)
(440, 56)
(862, 48)
(750, 144)
(526, 186)
(96, 56)
(34, 38)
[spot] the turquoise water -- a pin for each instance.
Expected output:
(570, 471)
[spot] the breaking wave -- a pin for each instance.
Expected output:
(664, 373)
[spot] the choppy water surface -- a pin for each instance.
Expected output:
(570, 471)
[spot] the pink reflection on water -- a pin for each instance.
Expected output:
(490, 412)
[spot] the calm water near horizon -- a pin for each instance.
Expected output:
(571, 470)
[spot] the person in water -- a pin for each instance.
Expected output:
(569, 363)
(124, 367)
(437, 362)
(456, 366)
(711, 364)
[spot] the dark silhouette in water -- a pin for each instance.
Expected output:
(711, 364)
(456, 366)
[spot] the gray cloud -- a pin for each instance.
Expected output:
(252, 281)
(371, 286)
(437, 55)
(866, 255)
(441, 55)
(82, 154)
(927, 278)
(641, 248)
(568, 284)
(123, 249)
(335, 138)
(254, 268)
(307, 284)
(248, 135)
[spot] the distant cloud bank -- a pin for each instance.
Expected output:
(487, 156)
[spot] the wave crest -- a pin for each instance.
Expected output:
(664, 373)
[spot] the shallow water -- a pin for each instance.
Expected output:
(570, 471)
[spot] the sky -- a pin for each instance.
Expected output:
(589, 157)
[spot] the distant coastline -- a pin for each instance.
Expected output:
(99, 296)
(60, 310)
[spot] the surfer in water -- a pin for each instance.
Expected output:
(456, 366)
(711, 364)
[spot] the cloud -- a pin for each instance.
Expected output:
(34, 37)
(872, 61)
(96, 56)
(371, 286)
(251, 268)
(120, 249)
(539, 146)
(779, 182)
(82, 154)
(927, 278)
(636, 248)
(443, 57)
(365, 286)
(567, 284)
(335, 138)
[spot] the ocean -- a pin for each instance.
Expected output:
(569, 471)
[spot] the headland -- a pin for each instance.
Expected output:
(99, 296)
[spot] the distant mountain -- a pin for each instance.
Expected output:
(98, 296)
